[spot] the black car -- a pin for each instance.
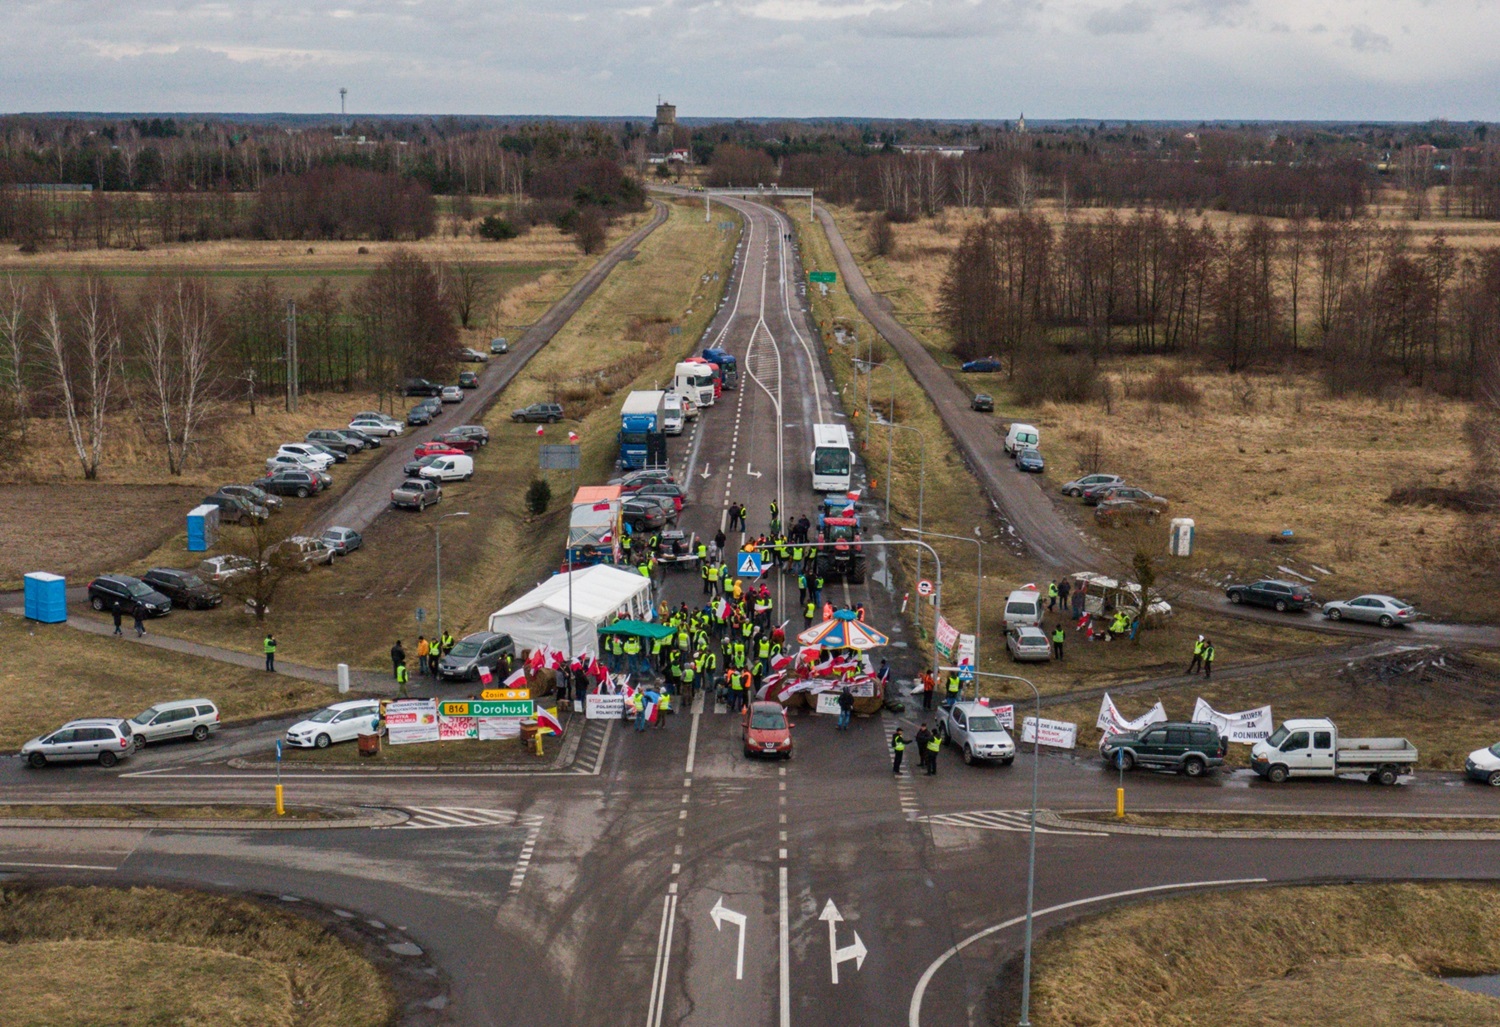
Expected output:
(478, 432)
(339, 454)
(130, 593)
(642, 516)
(1278, 595)
(355, 435)
(421, 387)
(184, 588)
(236, 509)
(544, 413)
(983, 402)
(413, 468)
(418, 415)
(468, 380)
(1190, 749)
(334, 440)
(255, 495)
(291, 483)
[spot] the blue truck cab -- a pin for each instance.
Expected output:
(729, 368)
(643, 440)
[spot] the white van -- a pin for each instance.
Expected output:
(181, 718)
(1023, 607)
(671, 422)
(1022, 436)
(457, 467)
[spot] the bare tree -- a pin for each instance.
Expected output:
(882, 236)
(269, 565)
(467, 287)
(590, 232)
(81, 345)
(15, 344)
(179, 349)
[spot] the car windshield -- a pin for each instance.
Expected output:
(1280, 736)
(1495, 749)
(770, 721)
(144, 717)
(324, 716)
(831, 460)
(140, 588)
(464, 650)
(984, 723)
(191, 581)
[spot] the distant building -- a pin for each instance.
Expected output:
(666, 123)
(1021, 122)
(940, 149)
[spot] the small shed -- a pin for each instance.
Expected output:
(202, 528)
(46, 597)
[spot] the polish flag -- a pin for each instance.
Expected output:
(653, 712)
(485, 677)
(548, 719)
(537, 659)
(572, 436)
(516, 680)
(540, 430)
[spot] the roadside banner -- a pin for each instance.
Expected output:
(457, 729)
(1006, 715)
(1112, 723)
(828, 702)
(411, 720)
(966, 649)
(947, 639)
(601, 707)
(494, 729)
(1054, 732)
(1246, 726)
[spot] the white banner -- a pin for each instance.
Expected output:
(493, 729)
(1006, 715)
(1246, 726)
(411, 720)
(1112, 723)
(457, 729)
(828, 702)
(947, 638)
(1054, 732)
(604, 707)
(966, 649)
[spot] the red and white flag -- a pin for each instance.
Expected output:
(516, 680)
(485, 677)
(546, 718)
(540, 430)
(653, 712)
(537, 659)
(572, 436)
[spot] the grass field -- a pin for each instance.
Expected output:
(53, 674)
(1259, 454)
(1445, 703)
(1272, 957)
(619, 340)
(151, 956)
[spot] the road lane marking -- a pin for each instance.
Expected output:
(999, 820)
(720, 913)
(836, 955)
(54, 866)
(658, 976)
(783, 945)
(914, 1015)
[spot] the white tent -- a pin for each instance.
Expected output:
(599, 595)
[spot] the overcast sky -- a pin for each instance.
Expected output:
(1305, 59)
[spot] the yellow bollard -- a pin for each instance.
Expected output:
(1119, 802)
(539, 744)
(280, 806)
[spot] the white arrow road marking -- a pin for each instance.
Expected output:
(836, 955)
(704, 475)
(720, 913)
(750, 473)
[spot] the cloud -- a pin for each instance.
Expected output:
(1366, 40)
(1131, 18)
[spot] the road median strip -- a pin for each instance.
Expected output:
(1280, 824)
(194, 816)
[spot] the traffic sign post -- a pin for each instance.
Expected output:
(421, 615)
(826, 277)
(280, 805)
(924, 587)
(748, 565)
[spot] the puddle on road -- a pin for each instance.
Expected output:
(1489, 984)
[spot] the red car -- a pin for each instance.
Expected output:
(464, 443)
(767, 731)
(436, 448)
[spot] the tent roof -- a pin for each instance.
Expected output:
(639, 628)
(596, 493)
(598, 591)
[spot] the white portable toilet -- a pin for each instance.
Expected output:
(1181, 540)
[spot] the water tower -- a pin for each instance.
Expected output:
(666, 124)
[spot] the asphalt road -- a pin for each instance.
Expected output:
(617, 891)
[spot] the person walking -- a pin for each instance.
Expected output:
(1197, 662)
(734, 516)
(140, 620)
(809, 613)
(269, 645)
(846, 707)
(1208, 659)
(744, 512)
(898, 750)
(398, 658)
(1052, 595)
(401, 678)
(114, 609)
(1058, 635)
(1079, 595)
(923, 736)
(934, 743)
(1063, 588)
(424, 649)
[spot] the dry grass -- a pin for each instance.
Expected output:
(53, 674)
(508, 750)
(156, 811)
(151, 956)
(1271, 821)
(1274, 957)
(354, 612)
(1447, 712)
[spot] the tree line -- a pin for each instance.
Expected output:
(1362, 299)
(82, 355)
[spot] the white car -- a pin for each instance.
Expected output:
(310, 455)
(341, 722)
(220, 569)
(380, 428)
(181, 718)
(976, 731)
(1387, 611)
(453, 394)
(294, 462)
(1028, 643)
(1484, 765)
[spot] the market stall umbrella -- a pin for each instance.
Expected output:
(844, 631)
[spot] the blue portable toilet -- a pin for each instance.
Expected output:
(202, 527)
(46, 597)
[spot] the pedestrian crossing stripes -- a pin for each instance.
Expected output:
(436, 818)
(998, 820)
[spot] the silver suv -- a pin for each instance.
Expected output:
(182, 718)
(481, 649)
(976, 731)
(106, 740)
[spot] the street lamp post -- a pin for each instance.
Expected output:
(437, 541)
(978, 577)
(921, 484)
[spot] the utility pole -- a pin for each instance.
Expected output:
(291, 357)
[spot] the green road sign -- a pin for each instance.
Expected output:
(827, 277)
(477, 708)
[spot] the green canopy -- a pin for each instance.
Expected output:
(638, 628)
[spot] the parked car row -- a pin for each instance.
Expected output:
(1294, 597)
(1115, 501)
(445, 458)
(107, 740)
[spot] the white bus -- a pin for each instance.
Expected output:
(832, 459)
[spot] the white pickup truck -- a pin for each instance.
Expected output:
(1313, 748)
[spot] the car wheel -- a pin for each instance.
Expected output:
(1333, 614)
(1281, 606)
(37, 761)
(1125, 761)
(97, 603)
(200, 733)
(140, 742)
(107, 759)
(1494, 775)
(1277, 774)
(748, 754)
(552, 420)
(302, 492)
(323, 742)
(1386, 620)
(968, 756)
(469, 476)
(1194, 767)
(1236, 598)
(1386, 776)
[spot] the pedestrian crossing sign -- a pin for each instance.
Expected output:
(749, 565)
(965, 672)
